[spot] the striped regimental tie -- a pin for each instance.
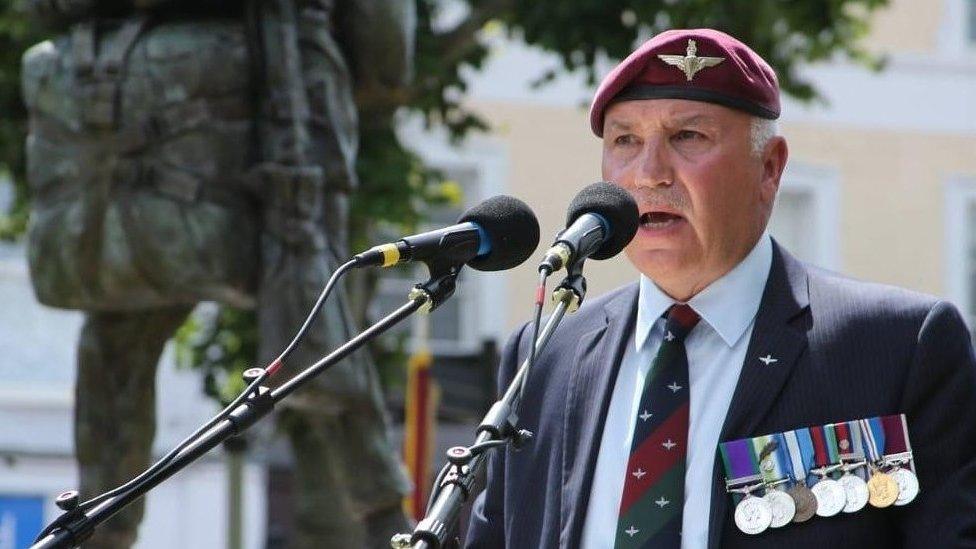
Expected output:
(654, 489)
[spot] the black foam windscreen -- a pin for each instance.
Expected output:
(616, 206)
(512, 229)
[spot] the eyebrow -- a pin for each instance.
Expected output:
(690, 119)
(617, 125)
(704, 118)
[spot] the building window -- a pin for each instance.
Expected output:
(806, 215)
(971, 22)
(960, 237)
(452, 326)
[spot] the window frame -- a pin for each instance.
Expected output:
(960, 194)
(482, 315)
(823, 186)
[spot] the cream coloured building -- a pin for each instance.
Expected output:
(881, 182)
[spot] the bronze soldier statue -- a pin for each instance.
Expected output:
(184, 151)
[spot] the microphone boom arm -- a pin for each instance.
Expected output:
(498, 428)
(75, 526)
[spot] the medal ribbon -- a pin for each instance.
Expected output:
(873, 437)
(800, 448)
(896, 436)
(854, 432)
(856, 448)
(769, 451)
(739, 458)
(824, 445)
(845, 445)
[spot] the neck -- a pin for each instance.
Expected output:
(683, 286)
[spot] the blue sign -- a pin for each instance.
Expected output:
(21, 519)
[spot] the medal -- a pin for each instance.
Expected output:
(852, 458)
(882, 489)
(898, 452)
(856, 492)
(771, 451)
(800, 450)
(752, 515)
(907, 485)
(781, 505)
(830, 494)
(805, 501)
(831, 497)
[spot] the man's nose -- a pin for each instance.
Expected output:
(654, 166)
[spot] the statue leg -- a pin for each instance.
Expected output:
(115, 407)
(348, 477)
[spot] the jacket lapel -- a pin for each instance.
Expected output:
(774, 348)
(594, 372)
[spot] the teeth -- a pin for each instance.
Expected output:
(659, 224)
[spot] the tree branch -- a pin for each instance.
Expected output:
(455, 43)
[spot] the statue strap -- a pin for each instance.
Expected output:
(177, 184)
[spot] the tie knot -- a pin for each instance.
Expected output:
(681, 319)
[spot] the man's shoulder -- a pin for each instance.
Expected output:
(866, 299)
(593, 314)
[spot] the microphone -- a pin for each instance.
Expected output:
(495, 235)
(601, 220)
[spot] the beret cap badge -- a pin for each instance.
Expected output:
(690, 63)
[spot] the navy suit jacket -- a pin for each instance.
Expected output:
(846, 350)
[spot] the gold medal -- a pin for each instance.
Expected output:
(883, 490)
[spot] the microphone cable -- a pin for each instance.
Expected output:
(540, 298)
(252, 388)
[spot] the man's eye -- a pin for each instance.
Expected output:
(626, 139)
(688, 135)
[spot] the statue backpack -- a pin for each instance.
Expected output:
(138, 148)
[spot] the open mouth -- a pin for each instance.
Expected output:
(659, 220)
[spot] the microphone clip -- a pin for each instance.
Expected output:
(440, 286)
(575, 284)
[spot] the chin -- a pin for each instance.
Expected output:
(660, 263)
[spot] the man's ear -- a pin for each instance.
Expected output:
(774, 159)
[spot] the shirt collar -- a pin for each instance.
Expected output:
(728, 305)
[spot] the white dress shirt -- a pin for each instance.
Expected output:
(716, 348)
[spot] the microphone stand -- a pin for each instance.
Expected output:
(76, 525)
(497, 429)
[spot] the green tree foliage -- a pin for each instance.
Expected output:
(16, 34)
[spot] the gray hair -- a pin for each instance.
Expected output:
(761, 131)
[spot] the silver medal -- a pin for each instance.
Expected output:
(753, 515)
(782, 506)
(831, 497)
(907, 485)
(856, 491)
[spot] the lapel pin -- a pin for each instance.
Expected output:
(768, 359)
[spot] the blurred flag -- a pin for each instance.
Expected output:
(420, 420)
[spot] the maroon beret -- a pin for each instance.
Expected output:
(697, 64)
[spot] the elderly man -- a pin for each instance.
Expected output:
(726, 336)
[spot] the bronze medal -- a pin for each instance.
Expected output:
(806, 503)
(883, 490)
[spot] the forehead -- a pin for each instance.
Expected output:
(627, 114)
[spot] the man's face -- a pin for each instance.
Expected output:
(704, 196)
